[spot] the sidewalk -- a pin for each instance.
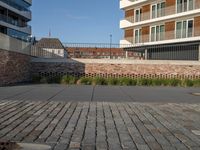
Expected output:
(101, 117)
(82, 93)
(101, 125)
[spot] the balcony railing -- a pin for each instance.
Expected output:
(9, 20)
(164, 36)
(15, 5)
(158, 13)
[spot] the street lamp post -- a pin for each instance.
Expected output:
(110, 44)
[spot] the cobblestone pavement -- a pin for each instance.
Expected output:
(102, 125)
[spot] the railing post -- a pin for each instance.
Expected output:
(199, 51)
(126, 54)
(145, 54)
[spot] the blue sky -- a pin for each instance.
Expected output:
(87, 21)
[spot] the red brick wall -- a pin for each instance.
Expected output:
(197, 4)
(129, 13)
(146, 12)
(170, 30)
(84, 52)
(145, 34)
(128, 33)
(170, 7)
(14, 67)
(147, 70)
(197, 26)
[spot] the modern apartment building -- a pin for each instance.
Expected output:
(14, 18)
(162, 29)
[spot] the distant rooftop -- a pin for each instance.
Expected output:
(52, 43)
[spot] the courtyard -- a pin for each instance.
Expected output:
(101, 117)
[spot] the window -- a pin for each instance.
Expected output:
(184, 5)
(158, 10)
(157, 33)
(138, 34)
(184, 29)
(138, 13)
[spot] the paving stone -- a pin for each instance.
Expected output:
(101, 125)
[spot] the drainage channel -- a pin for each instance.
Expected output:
(8, 145)
(196, 94)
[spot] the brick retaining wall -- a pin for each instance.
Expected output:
(14, 67)
(91, 68)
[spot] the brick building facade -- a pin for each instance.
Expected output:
(99, 53)
(152, 25)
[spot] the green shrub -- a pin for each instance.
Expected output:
(157, 82)
(127, 81)
(56, 79)
(44, 80)
(196, 82)
(68, 79)
(36, 79)
(100, 81)
(117, 81)
(86, 81)
(144, 82)
(113, 81)
(187, 83)
(175, 82)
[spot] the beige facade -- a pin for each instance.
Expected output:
(169, 20)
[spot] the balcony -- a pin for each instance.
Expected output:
(127, 22)
(11, 23)
(28, 1)
(163, 38)
(126, 42)
(25, 12)
(156, 16)
(13, 44)
(127, 3)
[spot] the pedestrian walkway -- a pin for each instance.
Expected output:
(101, 125)
(82, 93)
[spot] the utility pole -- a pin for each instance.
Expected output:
(110, 45)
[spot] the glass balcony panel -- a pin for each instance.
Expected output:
(17, 5)
(190, 28)
(184, 33)
(153, 34)
(191, 4)
(157, 33)
(178, 30)
(153, 11)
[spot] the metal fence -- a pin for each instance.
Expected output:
(172, 51)
(176, 51)
(82, 50)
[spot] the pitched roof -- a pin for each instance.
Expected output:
(52, 43)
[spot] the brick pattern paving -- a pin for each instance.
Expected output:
(101, 125)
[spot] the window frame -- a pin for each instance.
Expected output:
(182, 6)
(187, 20)
(155, 33)
(139, 36)
(140, 14)
(156, 9)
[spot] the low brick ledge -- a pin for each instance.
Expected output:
(116, 61)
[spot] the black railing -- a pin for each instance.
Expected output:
(15, 5)
(95, 45)
(14, 22)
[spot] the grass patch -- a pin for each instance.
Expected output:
(86, 81)
(100, 81)
(68, 80)
(117, 81)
